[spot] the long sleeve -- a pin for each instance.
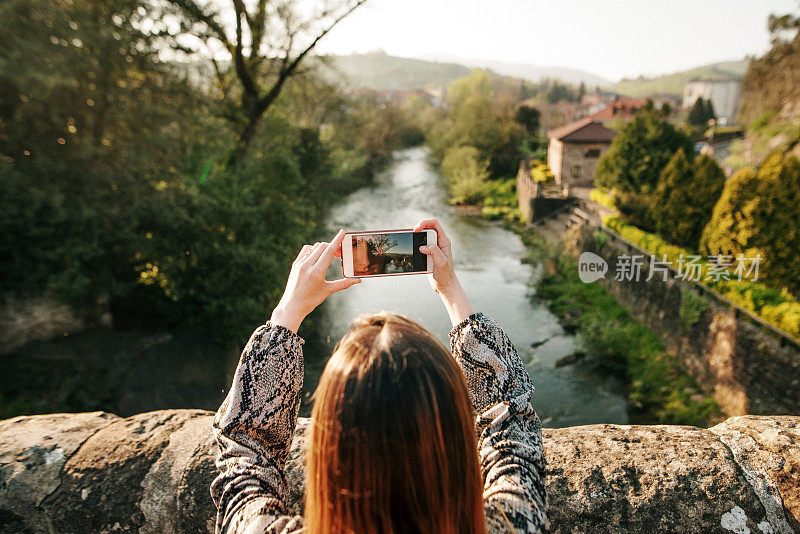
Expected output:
(509, 431)
(254, 427)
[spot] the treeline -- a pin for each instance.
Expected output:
(479, 136)
(135, 179)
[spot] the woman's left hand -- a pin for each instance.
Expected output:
(307, 288)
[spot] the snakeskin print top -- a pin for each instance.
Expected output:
(256, 422)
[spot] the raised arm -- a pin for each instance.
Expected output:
(254, 429)
(255, 424)
(508, 430)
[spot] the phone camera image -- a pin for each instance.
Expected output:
(390, 253)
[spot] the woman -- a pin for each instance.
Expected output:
(393, 443)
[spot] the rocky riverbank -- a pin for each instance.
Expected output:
(150, 473)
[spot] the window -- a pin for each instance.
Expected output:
(576, 171)
(592, 153)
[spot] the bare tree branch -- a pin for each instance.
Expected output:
(287, 71)
(260, 85)
(191, 9)
(250, 87)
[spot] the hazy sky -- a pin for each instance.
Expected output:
(612, 38)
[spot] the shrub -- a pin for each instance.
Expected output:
(758, 214)
(602, 196)
(466, 172)
(683, 201)
(633, 163)
(692, 308)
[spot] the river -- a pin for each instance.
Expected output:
(488, 260)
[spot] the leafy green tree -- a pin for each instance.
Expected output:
(94, 126)
(477, 117)
(697, 115)
(702, 111)
(634, 162)
(758, 214)
(682, 203)
(467, 172)
(528, 117)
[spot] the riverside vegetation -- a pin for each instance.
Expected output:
(141, 182)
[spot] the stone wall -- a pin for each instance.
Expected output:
(748, 366)
(150, 473)
(531, 200)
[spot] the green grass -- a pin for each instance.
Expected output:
(659, 391)
(500, 202)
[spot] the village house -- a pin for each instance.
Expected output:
(575, 149)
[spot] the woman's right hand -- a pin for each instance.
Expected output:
(307, 287)
(443, 279)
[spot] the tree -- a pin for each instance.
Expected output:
(709, 111)
(702, 111)
(634, 162)
(477, 117)
(93, 127)
(759, 214)
(467, 171)
(683, 201)
(265, 44)
(528, 117)
(381, 243)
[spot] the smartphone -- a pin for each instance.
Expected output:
(386, 253)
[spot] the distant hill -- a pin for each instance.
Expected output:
(674, 83)
(377, 70)
(527, 71)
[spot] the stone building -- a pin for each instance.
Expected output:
(724, 96)
(575, 149)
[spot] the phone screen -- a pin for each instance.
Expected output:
(388, 253)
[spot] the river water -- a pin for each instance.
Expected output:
(488, 261)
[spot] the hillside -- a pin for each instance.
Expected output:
(377, 70)
(674, 83)
(527, 71)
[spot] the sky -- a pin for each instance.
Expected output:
(612, 38)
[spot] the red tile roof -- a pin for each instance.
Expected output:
(584, 131)
(622, 108)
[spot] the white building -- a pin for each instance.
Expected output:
(724, 96)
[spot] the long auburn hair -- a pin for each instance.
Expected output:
(393, 447)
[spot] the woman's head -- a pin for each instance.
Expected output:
(392, 446)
